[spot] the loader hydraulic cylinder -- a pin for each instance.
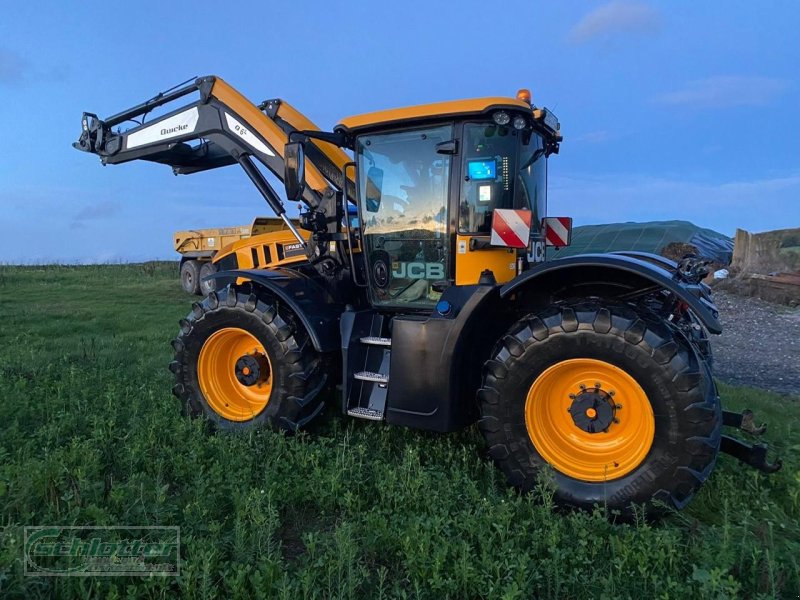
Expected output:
(269, 194)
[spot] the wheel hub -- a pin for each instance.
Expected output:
(575, 425)
(251, 368)
(234, 374)
(593, 410)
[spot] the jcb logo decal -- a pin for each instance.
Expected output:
(418, 270)
(536, 252)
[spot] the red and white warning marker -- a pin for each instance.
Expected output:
(558, 231)
(511, 228)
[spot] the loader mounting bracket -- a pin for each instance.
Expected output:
(754, 455)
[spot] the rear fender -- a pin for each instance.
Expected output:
(626, 272)
(314, 307)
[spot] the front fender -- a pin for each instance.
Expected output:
(639, 270)
(316, 309)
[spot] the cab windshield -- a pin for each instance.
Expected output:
(503, 168)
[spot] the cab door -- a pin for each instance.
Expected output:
(487, 166)
(404, 186)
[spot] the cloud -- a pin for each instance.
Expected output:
(614, 18)
(594, 137)
(724, 91)
(95, 212)
(13, 67)
(16, 70)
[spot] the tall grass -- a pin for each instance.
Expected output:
(90, 435)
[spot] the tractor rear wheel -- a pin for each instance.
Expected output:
(190, 276)
(614, 399)
(242, 361)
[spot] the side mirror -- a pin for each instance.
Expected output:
(294, 170)
(374, 189)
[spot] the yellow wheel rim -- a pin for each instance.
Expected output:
(222, 354)
(589, 419)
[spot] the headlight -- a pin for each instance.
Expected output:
(501, 117)
(519, 122)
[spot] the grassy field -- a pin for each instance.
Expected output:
(90, 435)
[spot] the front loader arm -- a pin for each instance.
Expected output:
(220, 128)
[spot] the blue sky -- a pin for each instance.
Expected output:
(669, 110)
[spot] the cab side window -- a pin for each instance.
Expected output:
(489, 152)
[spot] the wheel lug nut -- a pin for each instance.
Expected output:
(611, 393)
(597, 385)
(572, 396)
(616, 420)
(618, 406)
(582, 386)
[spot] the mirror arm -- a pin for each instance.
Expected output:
(348, 232)
(337, 139)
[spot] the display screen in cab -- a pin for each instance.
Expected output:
(482, 169)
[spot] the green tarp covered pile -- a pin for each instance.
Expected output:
(647, 237)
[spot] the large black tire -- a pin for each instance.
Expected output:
(190, 276)
(298, 372)
(206, 287)
(677, 383)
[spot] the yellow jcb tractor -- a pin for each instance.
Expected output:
(435, 308)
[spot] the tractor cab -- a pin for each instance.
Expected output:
(432, 180)
(451, 199)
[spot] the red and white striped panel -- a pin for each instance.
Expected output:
(558, 231)
(511, 228)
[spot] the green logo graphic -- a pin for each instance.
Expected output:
(53, 551)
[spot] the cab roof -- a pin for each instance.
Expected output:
(474, 106)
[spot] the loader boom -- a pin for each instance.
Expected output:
(220, 128)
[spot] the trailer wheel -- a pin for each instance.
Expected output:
(190, 276)
(206, 287)
(241, 361)
(615, 400)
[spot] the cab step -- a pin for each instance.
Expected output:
(370, 376)
(376, 340)
(366, 413)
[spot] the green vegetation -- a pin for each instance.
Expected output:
(90, 435)
(791, 256)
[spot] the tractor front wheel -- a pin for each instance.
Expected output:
(241, 361)
(614, 399)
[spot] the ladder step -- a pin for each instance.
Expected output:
(366, 413)
(370, 376)
(374, 340)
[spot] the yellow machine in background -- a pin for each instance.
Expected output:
(266, 241)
